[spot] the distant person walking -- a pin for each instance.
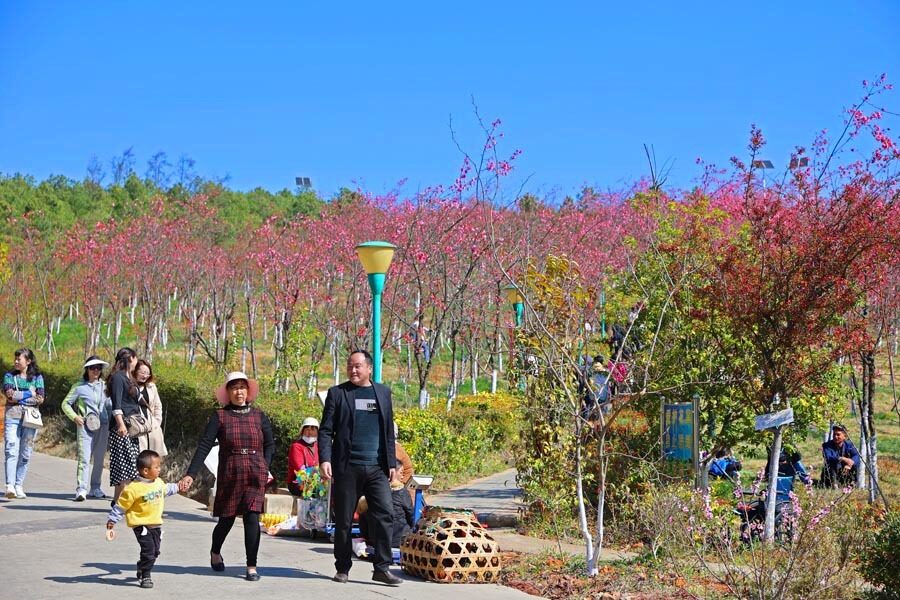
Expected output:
(88, 406)
(357, 451)
(24, 388)
(246, 448)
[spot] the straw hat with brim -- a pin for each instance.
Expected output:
(222, 390)
(94, 362)
(310, 422)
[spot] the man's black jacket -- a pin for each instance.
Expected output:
(336, 428)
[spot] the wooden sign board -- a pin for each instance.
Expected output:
(775, 419)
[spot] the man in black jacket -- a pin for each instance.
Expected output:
(356, 451)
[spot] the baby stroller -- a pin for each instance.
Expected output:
(753, 513)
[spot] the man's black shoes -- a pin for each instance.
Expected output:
(387, 578)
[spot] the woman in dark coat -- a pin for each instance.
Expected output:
(123, 449)
(246, 448)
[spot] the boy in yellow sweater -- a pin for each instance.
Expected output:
(141, 503)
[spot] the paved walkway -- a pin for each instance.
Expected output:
(495, 499)
(54, 548)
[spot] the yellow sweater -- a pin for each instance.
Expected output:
(141, 502)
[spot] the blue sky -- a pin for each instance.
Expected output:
(362, 93)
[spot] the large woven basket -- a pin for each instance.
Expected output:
(450, 546)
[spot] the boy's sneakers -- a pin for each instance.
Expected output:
(80, 496)
(20, 493)
(97, 494)
(10, 492)
(146, 582)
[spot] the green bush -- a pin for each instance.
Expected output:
(879, 559)
(459, 442)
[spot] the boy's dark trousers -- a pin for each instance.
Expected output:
(149, 540)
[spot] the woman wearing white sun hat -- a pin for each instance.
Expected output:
(88, 406)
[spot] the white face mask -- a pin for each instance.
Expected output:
(309, 439)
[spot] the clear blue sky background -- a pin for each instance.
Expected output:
(353, 93)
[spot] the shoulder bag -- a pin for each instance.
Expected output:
(92, 422)
(31, 418)
(31, 415)
(137, 425)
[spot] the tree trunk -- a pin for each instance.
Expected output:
(596, 551)
(334, 359)
(582, 513)
(867, 419)
(451, 395)
(474, 373)
(771, 493)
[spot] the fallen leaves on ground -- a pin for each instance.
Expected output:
(551, 578)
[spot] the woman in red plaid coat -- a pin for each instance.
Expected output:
(246, 448)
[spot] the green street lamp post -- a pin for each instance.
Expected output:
(376, 260)
(514, 296)
(603, 314)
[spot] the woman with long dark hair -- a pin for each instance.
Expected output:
(123, 449)
(24, 387)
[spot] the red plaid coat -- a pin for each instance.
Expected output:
(246, 446)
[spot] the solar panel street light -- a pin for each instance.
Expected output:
(763, 165)
(799, 163)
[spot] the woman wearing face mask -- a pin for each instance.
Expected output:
(89, 407)
(151, 408)
(304, 452)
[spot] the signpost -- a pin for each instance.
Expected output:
(677, 430)
(775, 419)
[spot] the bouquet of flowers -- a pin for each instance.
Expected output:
(310, 483)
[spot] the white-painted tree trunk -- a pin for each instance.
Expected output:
(771, 493)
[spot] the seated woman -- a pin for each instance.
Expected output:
(724, 465)
(405, 469)
(402, 514)
(303, 453)
(790, 465)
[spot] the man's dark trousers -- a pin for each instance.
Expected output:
(371, 482)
